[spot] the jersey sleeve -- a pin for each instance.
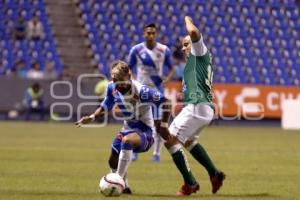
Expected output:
(167, 61)
(108, 102)
(198, 48)
(132, 60)
(149, 95)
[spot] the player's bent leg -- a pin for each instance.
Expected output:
(129, 142)
(202, 116)
(115, 152)
(199, 153)
(182, 128)
(114, 159)
(140, 142)
(134, 156)
(134, 139)
(180, 160)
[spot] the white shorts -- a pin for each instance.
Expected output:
(190, 121)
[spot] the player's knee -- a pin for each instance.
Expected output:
(189, 145)
(174, 148)
(127, 140)
(171, 142)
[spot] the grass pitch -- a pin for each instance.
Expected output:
(60, 161)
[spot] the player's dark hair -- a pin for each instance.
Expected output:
(35, 86)
(151, 25)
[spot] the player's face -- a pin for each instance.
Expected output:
(186, 45)
(150, 34)
(124, 85)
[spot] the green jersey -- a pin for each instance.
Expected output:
(197, 78)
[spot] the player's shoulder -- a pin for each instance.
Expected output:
(110, 86)
(140, 88)
(162, 46)
(138, 47)
(137, 85)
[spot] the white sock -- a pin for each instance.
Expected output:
(125, 178)
(173, 149)
(124, 161)
(158, 143)
(126, 181)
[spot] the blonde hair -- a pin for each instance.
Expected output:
(119, 70)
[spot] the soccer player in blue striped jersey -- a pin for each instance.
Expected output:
(147, 61)
(135, 101)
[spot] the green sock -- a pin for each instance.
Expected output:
(180, 160)
(199, 153)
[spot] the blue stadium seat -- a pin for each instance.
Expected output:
(29, 51)
(252, 34)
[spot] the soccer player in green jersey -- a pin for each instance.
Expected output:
(197, 113)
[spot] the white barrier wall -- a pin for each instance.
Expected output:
(290, 118)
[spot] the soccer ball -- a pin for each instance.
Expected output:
(111, 184)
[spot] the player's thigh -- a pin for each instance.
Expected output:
(203, 115)
(146, 142)
(187, 125)
(132, 138)
(181, 127)
(137, 140)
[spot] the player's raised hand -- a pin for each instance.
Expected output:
(192, 30)
(84, 120)
(188, 18)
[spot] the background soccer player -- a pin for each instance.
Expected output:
(147, 61)
(198, 112)
(134, 100)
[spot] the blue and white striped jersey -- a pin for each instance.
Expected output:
(148, 64)
(136, 107)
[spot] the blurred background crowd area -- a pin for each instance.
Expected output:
(253, 42)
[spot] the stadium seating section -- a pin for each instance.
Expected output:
(29, 51)
(251, 41)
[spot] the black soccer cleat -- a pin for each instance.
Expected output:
(187, 189)
(127, 191)
(217, 181)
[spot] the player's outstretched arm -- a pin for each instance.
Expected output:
(192, 30)
(106, 105)
(91, 118)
